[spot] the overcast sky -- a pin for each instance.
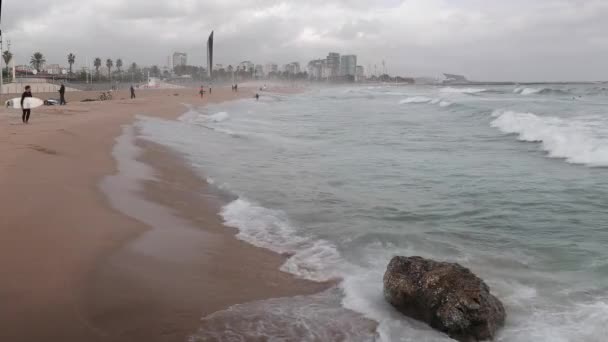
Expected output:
(483, 39)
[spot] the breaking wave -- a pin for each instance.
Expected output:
(576, 141)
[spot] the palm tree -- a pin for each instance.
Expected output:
(71, 61)
(109, 64)
(7, 56)
(119, 67)
(37, 61)
(97, 64)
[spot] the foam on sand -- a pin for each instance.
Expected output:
(576, 141)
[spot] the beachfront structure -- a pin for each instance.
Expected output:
(315, 69)
(271, 68)
(360, 73)
(245, 66)
(55, 69)
(259, 71)
(180, 59)
(348, 66)
(332, 65)
(292, 68)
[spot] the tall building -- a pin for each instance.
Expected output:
(246, 66)
(180, 59)
(332, 65)
(348, 65)
(292, 68)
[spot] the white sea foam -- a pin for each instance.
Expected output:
(313, 259)
(218, 117)
(416, 99)
(579, 142)
(462, 90)
(424, 99)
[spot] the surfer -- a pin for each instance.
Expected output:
(132, 92)
(26, 112)
(62, 95)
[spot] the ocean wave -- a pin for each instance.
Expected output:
(463, 90)
(267, 228)
(541, 91)
(427, 100)
(575, 141)
(218, 117)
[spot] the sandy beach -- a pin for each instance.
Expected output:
(86, 257)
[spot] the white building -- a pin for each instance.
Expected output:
(246, 66)
(259, 70)
(271, 68)
(180, 59)
(315, 69)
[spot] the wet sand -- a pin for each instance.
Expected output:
(74, 268)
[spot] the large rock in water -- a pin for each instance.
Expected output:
(447, 296)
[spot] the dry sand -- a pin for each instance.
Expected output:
(75, 269)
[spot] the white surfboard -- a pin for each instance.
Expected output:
(28, 103)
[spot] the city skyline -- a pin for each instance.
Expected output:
(516, 41)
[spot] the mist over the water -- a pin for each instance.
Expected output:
(509, 182)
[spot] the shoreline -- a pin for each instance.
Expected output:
(61, 233)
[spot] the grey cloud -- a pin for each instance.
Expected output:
(490, 40)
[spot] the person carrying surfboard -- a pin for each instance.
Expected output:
(26, 111)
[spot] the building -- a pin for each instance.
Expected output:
(292, 68)
(348, 66)
(360, 73)
(180, 59)
(259, 71)
(245, 66)
(54, 69)
(451, 78)
(315, 69)
(332, 65)
(271, 68)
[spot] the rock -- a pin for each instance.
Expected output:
(447, 296)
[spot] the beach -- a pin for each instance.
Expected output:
(84, 259)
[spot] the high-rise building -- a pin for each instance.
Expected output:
(348, 65)
(180, 59)
(332, 65)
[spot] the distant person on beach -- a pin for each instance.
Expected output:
(132, 92)
(62, 95)
(209, 90)
(236, 88)
(202, 91)
(257, 97)
(26, 112)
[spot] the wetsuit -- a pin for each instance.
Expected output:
(62, 95)
(26, 112)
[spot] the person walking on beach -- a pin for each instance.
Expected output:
(62, 95)
(26, 111)
(132, 92)
(257, 97)
(202, 91)
(236, 88)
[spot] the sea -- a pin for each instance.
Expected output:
(509, 181)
